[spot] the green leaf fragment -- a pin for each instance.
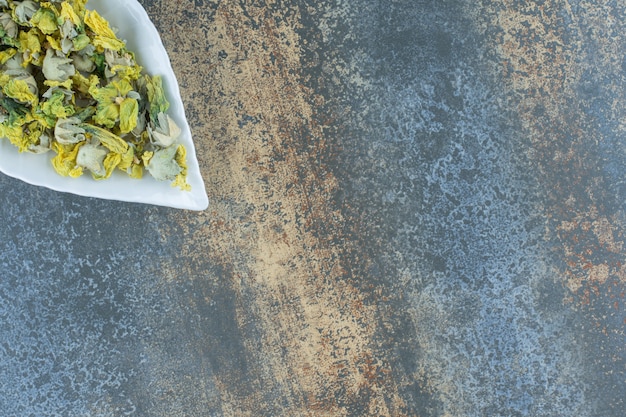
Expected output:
(15, 114)
(156, 97)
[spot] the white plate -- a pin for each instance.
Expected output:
(134, 26)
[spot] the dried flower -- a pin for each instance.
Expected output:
(68, 84)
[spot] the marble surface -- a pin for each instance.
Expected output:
(417, 209)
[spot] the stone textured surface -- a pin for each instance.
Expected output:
(417, 209)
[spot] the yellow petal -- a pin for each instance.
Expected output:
(83, 84)
(76, 172)
(6, 55)
(54, 42)
(67, 84)
(127, 159)
(107, 114)
(55, 106)
(30, 46)
(105, 37)
(68, 12)
(181, 178)
(129, 110)
(20, 91)
(16, 136)
(123, 87)
(64, 162)
(136, 172)
(110, 140)
(111, 161)
(45, 20)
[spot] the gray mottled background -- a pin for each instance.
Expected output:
(417, 209)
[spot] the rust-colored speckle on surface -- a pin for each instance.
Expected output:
(272, 222)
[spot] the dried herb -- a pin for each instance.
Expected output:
(69, 85)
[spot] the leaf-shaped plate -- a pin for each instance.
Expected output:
(134, 26)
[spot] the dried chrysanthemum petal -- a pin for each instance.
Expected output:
(82, 84)
(14, 64)
(82, 43)
(55, 106)
(128, 114)
(156, 97)
(16, 136)
(121, 65)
